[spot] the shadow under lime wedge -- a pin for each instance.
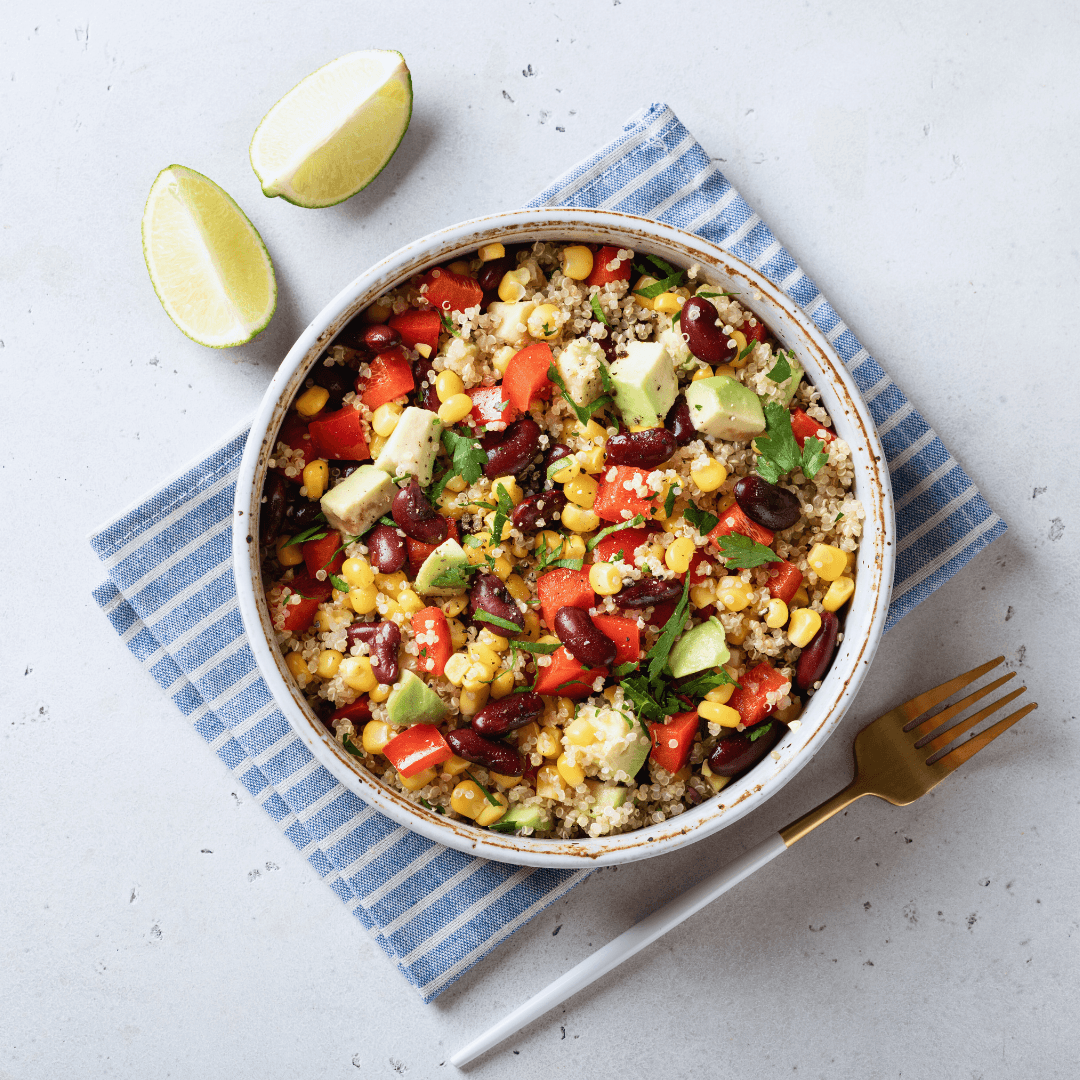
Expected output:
(208, 264)
(335, 131)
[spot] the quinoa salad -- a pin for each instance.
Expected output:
(557, 539)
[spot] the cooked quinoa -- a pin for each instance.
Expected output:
(675, 529)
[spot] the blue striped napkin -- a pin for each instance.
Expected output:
(171, 598)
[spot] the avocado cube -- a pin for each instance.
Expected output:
(704, 646)
(521, 817)
(412, 701)
(725, 409)
(645, 385)
(448, 562)
(412, 446)
(359, 500)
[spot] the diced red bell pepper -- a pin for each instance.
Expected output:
(699, 563)
(448, 292)
(625, 540)
(339, 436)
(624, 632)
(391, 377)
(492, 407)
(417, 748)
(566, 677)
(295, 435)
(612, 497)
(757, 332)
(431, 632)
(662, 612)
(804, 426)
(749, 696)
(673, 741)
(784, 580)
(561, 588)
(601, 275)
(526, 375)
(326, 554)
(419, 551)
(733, 520)
(417, 328)
(360, 710)
(298, 617)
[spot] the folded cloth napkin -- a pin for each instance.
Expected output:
(170, 596)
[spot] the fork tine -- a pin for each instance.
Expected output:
(954, 758)
(932, 746)
(927, 700)
(945, 715)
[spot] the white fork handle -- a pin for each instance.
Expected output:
(625, 945)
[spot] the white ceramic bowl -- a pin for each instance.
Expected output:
(865, 616)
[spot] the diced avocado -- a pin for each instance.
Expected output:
(412, 446)
(412, 701)
(359, 500)
(607, 795)
(704, 646)
(509, 321)
(523, 817)
(645, 383)
(447, 561)
(579, 365)
(624, 742)
(797, 373)
(724, 408)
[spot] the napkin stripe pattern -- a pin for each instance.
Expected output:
(170, 596)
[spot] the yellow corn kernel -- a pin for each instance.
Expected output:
(358, 572)
(611, 692)
(288, 556)
(504, 781)
(455, 410)
(327, 618)
(643, 282)
(472, 701)
(572, 774)
(502, 568)
(592, 460)
(448, 384)
(532, 626)
(667, 302)
(547, 540)
(380, 693)
(477, 553)
(721, 694)
(385, 418)
(376, 736)
(495, 642)
(504, 528)
(492, 812)
(671, 525)
(605, 579)
(375, 446)
(449, 506)
(417, 782)
(574, 548)
(486, 657)
(737, 349)
(578, 520)
(512, 286)
(548, 742)
(410, 603)
(644, 427)
(516, 587)
(456, 484)
(800, 599)
(528, 734)
(703, 595)
(679, 554)
(734, 593)
(297, 665)
(423, 349)
(568, 468)
(738, 635)
(581, 491)
(577, 262)
(460, 266)
(502, 685)
(387, 608)
(851, 558)
(549, 784)
(316, 477)
(329, 660)
(804, 624)
(456, 666)
(838, 594)
(391, 584)
(510, 486)
(580, 733)
(542, 323)
(705, 372)
(458, 636)
(455, 605)
(501, 359)
(455, 765)
(826, 561)
(355, 671)
(709, 477)
(714, 781)
(717, 713)
(590, 431)
(379, 311)
(776, 614)
(364, 599)
(488, 252)
(311, 402)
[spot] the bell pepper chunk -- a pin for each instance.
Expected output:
(567, 677)
(784, 580)
(625, 540)
(431, 632)
(391, 377)
(360, 709)
(561, 588)
(750, 696)
(617, 503)
(296, 435)
(417, 328)
(804, 426)
(624, 632)
(733, 520)
(326, 554)
(526, 375)
(417, 748)
(339, 436)
(492, 407)
(602, 260)
(448, 292)
(673, 741)
(296, 618)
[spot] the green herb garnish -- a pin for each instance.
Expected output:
(747, 351)
(502, 512)
(633, 523)
(779, 451)
(584, 413)
(759, 731)
(700, 686)
(448, 324)
(598, 311)
(839, 516)
(312, 533)
(339, 583)
(468, 455)
(351, 747)
(669, 501)
(490, 798)
(456, 577)
(495, 620)
(544, 648)
(781, 371)
(702, 520)
(658, 654)
(622, 670)
(741, 553)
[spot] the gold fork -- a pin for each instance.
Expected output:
(898, 757)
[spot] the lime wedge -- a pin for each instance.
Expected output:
(208, 264)
(334, 132)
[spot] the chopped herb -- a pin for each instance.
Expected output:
(403, 476)
(387, 520)
(502, 512)
(741, 553)
(456, 577)
(633, 523)
(606, 379)
(485, 505)
(702, 520)
(658, 654)
(468, 456)
(700, 686)
(473, 540)
(710, 295)
(490, 798)
(439, 486)
(620, 555)
(779, 451)
(676, 317)
(504, 827)
(747, 351)
(839, 516)
(673, 281)
(759, 731)
(622, 670)
(781, 371)
(566, 564)
(598, 311)
(549, 555)
(814, 456)
(350, 746)
(437, 809)
(495, 620)
(448, 324)
(313, 533)
(669, 500)
(584, 413)
(544, 648)
(665, 267)
(339, 583)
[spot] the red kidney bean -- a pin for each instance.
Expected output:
(380, 337)
(582, 639)
(500, 757)
(645, 449)
(530, 512)
(272, 511)
(489, 594)
(498, 717)
(556, 453)
(649, 590)
(382, 640)
(386, 549)
(816, 657)
(301, 514)
(680, 425)
(417, 517)
(337, 380)
(491, 273)
(517, 449)
(737, 753)
(774, 507)
(704, 338)
(427, 398)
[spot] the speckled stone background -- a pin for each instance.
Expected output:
(919, 160)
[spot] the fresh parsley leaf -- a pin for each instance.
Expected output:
(622, 670)
(633, 523)
(747, 351)
(316, 532)
(839, 516)
(566, 564)
(485, 505)
(490, 798)
(456, 577)
(339, 583)
(779, 451)
(619, 556)
(658, 654)
(605, 378)
(669, 500)
(741, 553)
(676, 317)
(702, 684)
(582, 413)
(473, 540)
(665, 267)
(702, 520)
(759, 731)
(710, 295)
(544, 648)
(437, 809)
(637, 689)
(350, 746)
(502, 512)
(782, 369)
(598, 311)
(439, 486)
(448, 324)
(658, 287)
(504, 827)
(495, 620)
(814, 456)
(468, 456)
(386, 519)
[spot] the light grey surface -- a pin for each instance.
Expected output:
(919, 161)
